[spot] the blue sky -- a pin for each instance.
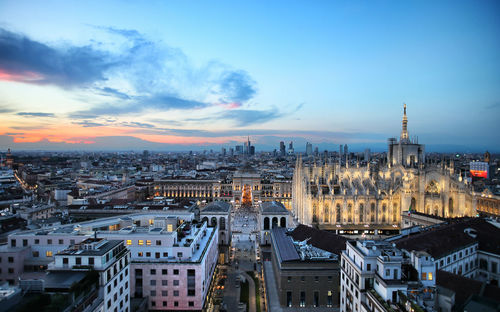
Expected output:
(185, 75)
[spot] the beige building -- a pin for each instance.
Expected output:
(367, 198)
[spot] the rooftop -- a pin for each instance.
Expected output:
(273, 207)
(217, 206)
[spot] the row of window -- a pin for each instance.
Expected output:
(303, 279)
(140, 242)
(176, 303)
(164, 282)
(13, 242)
(315, 301)
(157, 255)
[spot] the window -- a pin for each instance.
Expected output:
(176, 272)
(164, 282)
(153, 293)
(148, 254)
(191, 303)
(36, 254)
(179, 255)
(176, 293)
(164, 271)
(25, 242)
(141, 242)
(157, 255)
(152, 272)
(368, 266)
(330, 278)
(164, 303)
(139, 254)
(429, 276)
(91, 260)
(494, 267)
(153, 303)
(302, 279)
(176, 282)
(129, 242)
(10, 270)
(13, 243)
(316, 278)
(165, 254)
(158, 243)
(61, 241)
(164, 293)
(148, 242)
(152, 282)
(387, 272)
(302, 301)
(71, 241)
(176, 303)
(11, 259)
(316, 299)
(329, 300)
(37, 241)
(424, 276)
(78, 260)
(49, 242)
(48, 253)
(289, 279)
(289, 299)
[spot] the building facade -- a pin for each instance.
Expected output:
(334, 196)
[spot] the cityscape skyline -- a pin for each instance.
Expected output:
(74, 77)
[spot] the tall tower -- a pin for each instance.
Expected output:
(404, 131)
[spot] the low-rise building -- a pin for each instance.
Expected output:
(306, 275)
(271, 214)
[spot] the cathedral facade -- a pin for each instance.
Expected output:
(333, 196)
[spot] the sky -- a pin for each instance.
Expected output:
(179, 75)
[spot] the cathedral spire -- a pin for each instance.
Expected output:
(404, 131)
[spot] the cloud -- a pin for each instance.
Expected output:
(36, 114)
(88, 124)
(106, 91)
(237, 86)
(138, 105)
(4, 110)
(29, 61)
(246, 117)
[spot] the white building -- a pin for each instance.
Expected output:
(110, 259)
(271, 214)
(172, 259)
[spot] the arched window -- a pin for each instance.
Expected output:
(337, 211)
(205, 219)
(413, 204)
(361, 212)
(384, 210)
(450, 208)
(266, 223)
(214, 221)
(283, 222)
(315, 213)
(275, 222)
(394, 212)
(372, 212)
(326, 214)
(222, 223)
(436, 210)
(349, 213)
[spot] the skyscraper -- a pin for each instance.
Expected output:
(309, 149)
(282, 148)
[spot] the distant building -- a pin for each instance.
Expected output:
(282, 149)
(309, 149)
(479, 169)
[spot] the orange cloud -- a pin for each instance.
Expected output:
(26, 76)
